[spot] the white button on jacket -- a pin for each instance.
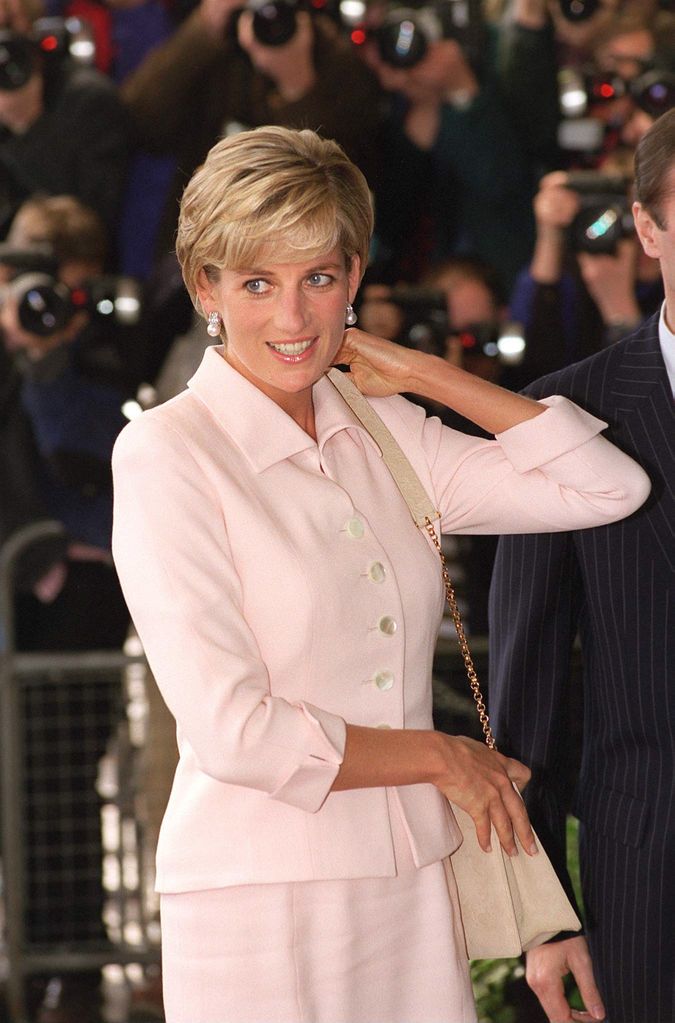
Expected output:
(256, 614)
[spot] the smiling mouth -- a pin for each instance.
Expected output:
(292, 349)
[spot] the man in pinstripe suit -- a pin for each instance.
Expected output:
(614, 586)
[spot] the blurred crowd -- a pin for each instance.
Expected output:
(497, 138)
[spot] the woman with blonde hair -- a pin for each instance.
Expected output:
(289, 609)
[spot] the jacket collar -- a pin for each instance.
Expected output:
(263, 431)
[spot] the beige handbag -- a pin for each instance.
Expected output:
(508, 904)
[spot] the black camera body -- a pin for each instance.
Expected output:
(275, 21)
(49, 39)
(653, 91)
(45, 305)
(578, 10)
(426, 326)
(605, 215)
(405, 33)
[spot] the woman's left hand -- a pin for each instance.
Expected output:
(378, 367)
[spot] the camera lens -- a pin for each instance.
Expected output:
(654, 92)
(16, 61)
(44, 306)
(578, 10)
(273, 21)
(401, 41)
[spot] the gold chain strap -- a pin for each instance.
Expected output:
(463, 645)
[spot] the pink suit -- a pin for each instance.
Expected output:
(280, 589)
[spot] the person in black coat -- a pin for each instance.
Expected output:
(63, 130)
(614, 586)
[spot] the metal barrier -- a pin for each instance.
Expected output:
(45, 854)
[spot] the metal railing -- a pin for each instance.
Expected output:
(22, 674)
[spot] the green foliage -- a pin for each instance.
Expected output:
(490, 979)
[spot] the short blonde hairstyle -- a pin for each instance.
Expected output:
(271, 194)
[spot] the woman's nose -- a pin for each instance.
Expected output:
(291, 313)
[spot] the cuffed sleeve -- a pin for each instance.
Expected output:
(311, 780)
(562, 428)
(172, 553)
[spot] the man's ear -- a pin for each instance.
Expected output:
(647, 230)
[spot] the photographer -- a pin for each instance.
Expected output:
(70, 415)
(455, 176)
(215, 71)
(574, 303)
(589, 281)
(63, 129)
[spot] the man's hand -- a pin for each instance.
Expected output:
(546, 967)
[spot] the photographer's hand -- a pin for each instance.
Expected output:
(555, 207)
(14, 15)
(215, 14)
(610, 280)
(34, 346)
(291, 66)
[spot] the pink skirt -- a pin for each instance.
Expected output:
(372, 950)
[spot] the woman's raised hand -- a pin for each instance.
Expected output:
(480, 781)
(378, 367)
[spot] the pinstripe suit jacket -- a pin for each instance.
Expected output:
(614, 586)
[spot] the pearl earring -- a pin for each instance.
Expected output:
(350, 316)
(214, 324)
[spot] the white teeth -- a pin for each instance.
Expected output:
(296, 348)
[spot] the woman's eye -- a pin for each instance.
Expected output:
(257, 287)
(318, 280)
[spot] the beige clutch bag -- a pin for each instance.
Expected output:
(508, 904)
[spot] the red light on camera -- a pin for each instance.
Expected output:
(49, 43)
(358, 37)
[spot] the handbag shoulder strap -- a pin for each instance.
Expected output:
(424, 514)
(406, 479)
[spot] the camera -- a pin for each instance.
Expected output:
(49, 37)
(653, 91)
(605, 216)
(405, 33)
(578, 10)
(275, 21)
(426, 328)
(45, 305)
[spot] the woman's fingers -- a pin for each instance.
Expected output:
(518, 773)
(521, 822)
(486, 785)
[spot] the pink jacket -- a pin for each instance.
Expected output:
(280, 588)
